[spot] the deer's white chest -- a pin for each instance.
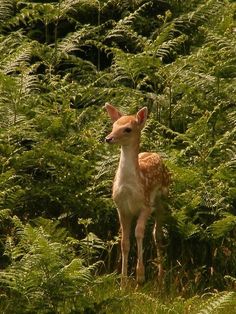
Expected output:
(128, 191)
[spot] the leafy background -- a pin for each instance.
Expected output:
(60, 61)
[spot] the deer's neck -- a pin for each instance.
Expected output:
(128, 165)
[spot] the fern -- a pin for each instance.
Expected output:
(10, 195)
(223, 226)
(73, 41)
(52, 228)
(231, 279)
(131, 17)
(66, 6)
(186, 228)
(125, 37)
(171, 48)
(216, 303)
(18, 59)
(4, 214)
(16, 96)
(6, 9)
(202, 14)
(91, 247)
(129, 67)
(46, 12)
(38, 267)
(174, 34)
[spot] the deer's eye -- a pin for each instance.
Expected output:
(127, 130)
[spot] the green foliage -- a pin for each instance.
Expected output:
(148, 302)
(217, 303)
(59, 63)
(44, 274)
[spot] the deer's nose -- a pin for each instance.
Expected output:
(108, 139)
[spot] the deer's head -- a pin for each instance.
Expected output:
(126, 129)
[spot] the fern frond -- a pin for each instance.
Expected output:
(17, 59)
(232, 119)
(186, 228)
(75, 270)
(222, 43)
(66, 6)
(130, 19)
(9, 43)
(223, 226)
(91, 247)
(33, 12)
(225, 61)
(129, 67)
(27, 82)
(4, 214)
(45, 12)
(52, 228)
(73, 41)
(173, 35)
(39, 265)
(217, 302)
(171, 48)
(125, 37)
(202, 14)
(231, 279)
(224, 143)
(9, 195)
(6, 9)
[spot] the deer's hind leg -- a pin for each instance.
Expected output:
(158, 240)
(139, 234)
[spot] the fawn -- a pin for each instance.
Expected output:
(140, 183)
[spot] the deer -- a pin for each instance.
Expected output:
(141, 183)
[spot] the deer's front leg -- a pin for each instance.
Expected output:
(139, 234)
(125, 222)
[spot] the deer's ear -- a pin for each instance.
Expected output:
(142, 116)
(113, 113)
